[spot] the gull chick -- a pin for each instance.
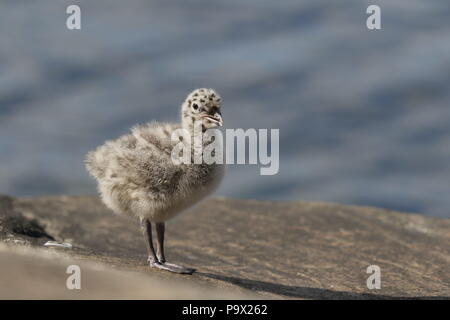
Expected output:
(136, 175)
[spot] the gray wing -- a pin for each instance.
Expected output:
(143, 160)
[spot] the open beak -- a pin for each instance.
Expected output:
(217, 118)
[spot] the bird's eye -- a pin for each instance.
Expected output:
(195, 106)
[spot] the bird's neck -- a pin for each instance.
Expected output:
(194, 127)
(199, 135)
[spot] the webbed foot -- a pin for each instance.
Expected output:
(172, 267)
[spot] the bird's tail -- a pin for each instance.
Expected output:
(93, 164)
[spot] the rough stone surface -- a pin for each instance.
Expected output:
(41, 274)
(240, 248)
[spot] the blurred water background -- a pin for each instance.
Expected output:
(364, 116)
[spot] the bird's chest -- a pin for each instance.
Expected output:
(198, 181)
(203, 176)
(195, 184)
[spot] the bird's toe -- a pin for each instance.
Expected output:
(172, 268)
(180, 269)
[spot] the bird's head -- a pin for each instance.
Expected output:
(202, 105)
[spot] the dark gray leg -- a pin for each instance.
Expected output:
(146, 228)
(158, 260)
(160, 229)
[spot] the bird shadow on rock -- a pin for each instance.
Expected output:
(306, 292)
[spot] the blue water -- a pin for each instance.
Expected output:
(364, 116)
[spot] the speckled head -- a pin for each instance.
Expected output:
(202, 105)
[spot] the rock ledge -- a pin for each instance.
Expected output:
(241, 249)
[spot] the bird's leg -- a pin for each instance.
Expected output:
(146, 228)
(160, 229)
